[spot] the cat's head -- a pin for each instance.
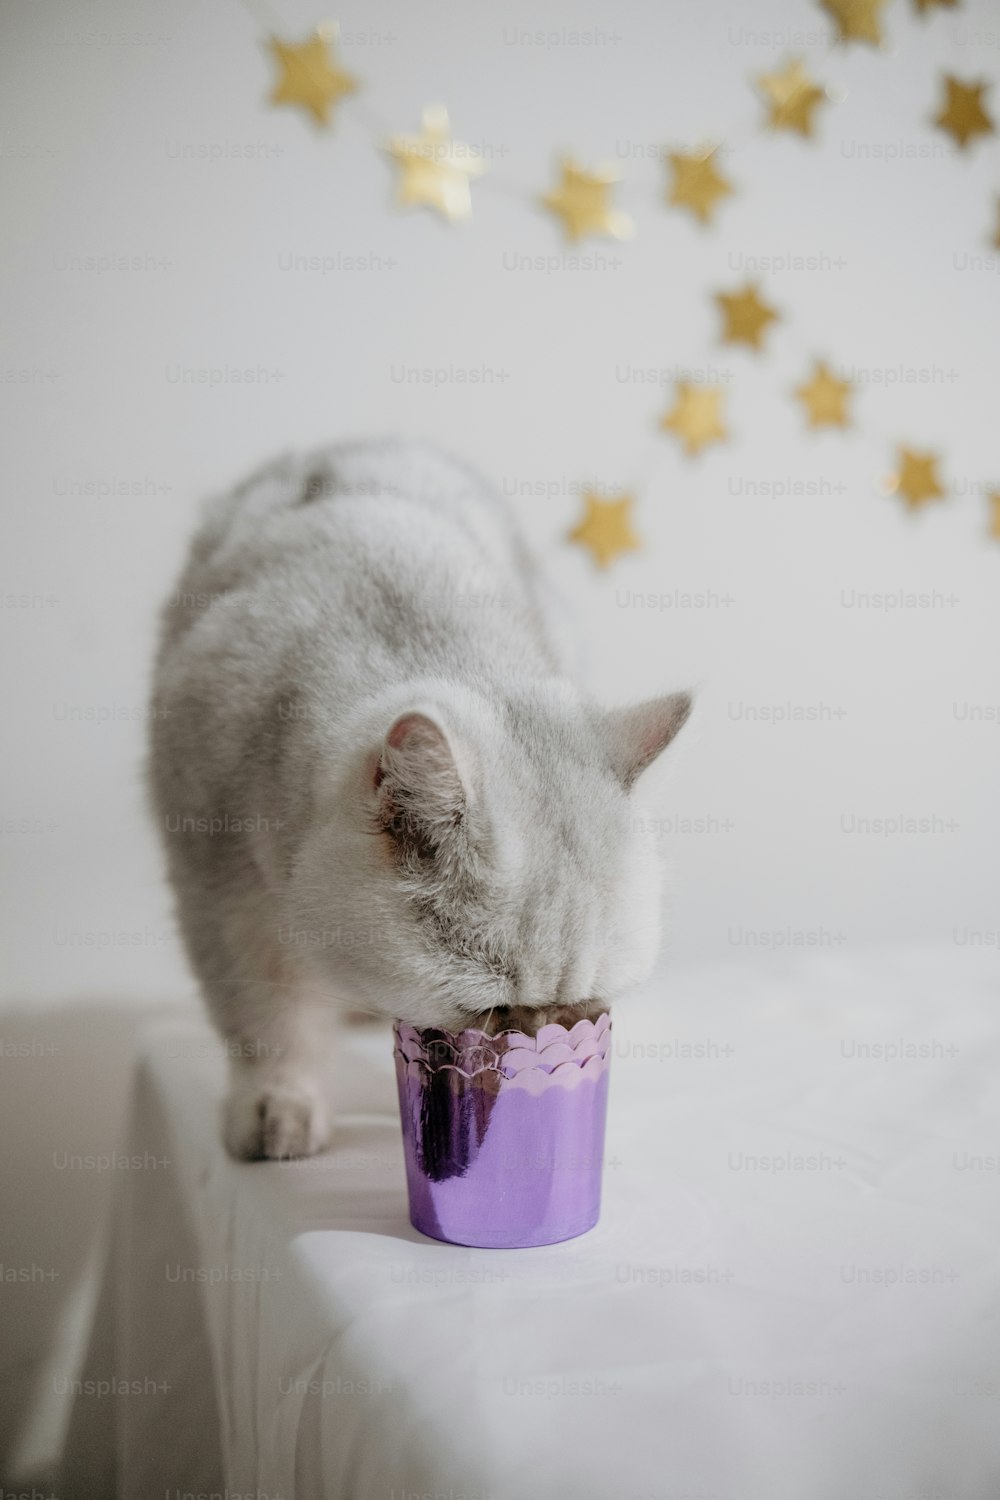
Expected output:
(490, 855)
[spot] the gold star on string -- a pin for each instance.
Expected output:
(825, 398)
(792, 96)
(435, 169)
(745, 316)
(696, 416)
(916, 478)
(581, 202)
(857, 20)
(922, 7)
(310, 76)
(963, 114)
(697, 185)
(606, 528)
(993, 501)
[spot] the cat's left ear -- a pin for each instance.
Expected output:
(636, 736)
(420, 795)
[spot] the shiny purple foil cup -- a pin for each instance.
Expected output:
(504, 1135)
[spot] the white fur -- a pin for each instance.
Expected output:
(415, 810)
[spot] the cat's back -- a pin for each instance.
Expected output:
(387, 539)
(337, 514)
(353, 493)
(330, 574)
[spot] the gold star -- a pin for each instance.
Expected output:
(746, 316)
(993, 501)
(696, 417)
(962, 114)
(923, 6)
(606, 528)
(310, 76)
(435, 169)
(581, 201)
(825, 398)
(792, 97)
(857, 20)
(697, 185)
(916, 479)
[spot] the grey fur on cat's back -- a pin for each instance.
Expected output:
(376, 784)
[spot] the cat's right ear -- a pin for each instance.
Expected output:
(418, 788)
(636, 736)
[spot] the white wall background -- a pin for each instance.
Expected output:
(98, 136)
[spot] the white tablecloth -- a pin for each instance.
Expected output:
(792, 1293)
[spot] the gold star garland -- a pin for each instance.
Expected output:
(435, 172)
(993, 501)
(916, 479)
(963, 114)
(791, 97)
(696, 417)
(825, 398)
(857, 20)
(745, 317)
(606, 528)
(310, 76)
(581, 201)
(696, 183)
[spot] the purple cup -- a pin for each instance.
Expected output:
(504, 1135)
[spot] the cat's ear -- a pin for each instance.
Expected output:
(635, 736)
(420, 795)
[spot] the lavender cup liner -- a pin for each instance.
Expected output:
(504, 1134)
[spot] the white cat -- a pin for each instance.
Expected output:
(375, 783)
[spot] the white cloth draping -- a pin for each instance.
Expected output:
(792, 1293)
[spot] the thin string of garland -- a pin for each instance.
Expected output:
(437, 172)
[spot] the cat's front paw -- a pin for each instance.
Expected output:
(275, 1120)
